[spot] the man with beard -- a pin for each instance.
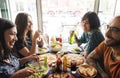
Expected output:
(106, 57)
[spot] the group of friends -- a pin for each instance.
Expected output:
(18, 45)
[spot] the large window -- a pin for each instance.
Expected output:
(62, 16)
(107, 10)
(28, 6)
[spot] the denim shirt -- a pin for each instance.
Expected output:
(7, 69)
(92, 39)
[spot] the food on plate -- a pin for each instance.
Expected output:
(77, 48)
(56, 46)
(41, 50)
(40, 70)
(77, 57)
(60, 75)
(50, 57)
(87, 71)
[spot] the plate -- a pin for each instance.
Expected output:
(40, 70)
(87, 71)
(42, 50)
(61, 75)
(50, 57)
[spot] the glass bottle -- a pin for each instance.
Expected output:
(59, 65)
(65, 64)
(72, 37)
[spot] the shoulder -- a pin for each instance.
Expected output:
(97, 34)
(102, 47)
(96, 31)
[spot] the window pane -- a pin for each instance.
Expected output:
(61, 16)
(106, 12)
(28, 6)
(117, 9)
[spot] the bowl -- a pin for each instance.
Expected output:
(56, 47)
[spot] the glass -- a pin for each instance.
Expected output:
(113, 29)
(73, 65)
(45, 61)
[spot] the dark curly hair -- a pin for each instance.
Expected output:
(93, 20)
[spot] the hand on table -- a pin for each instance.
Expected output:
(85, 54)
(23, 73)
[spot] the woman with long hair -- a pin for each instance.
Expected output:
(9, 62)
(27, 41)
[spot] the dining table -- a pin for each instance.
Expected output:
(50, 57)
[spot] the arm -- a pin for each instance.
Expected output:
(23, 73)
(81, 40)
(77, 41)
(95, 39)
(29, 58)
(92, 60)
(25, 51)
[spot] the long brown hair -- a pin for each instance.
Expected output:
(21, 22)
(4, 50)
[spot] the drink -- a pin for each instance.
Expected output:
(64, 64)
(59, 65)
(72, 37)
(45, 61)
(73, 65)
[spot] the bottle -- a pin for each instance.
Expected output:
(53, 67)
(60, 39)
(53, 39)
(45, 61)
(72, 37)
(59, 65)
(73, 66)
(65, 64)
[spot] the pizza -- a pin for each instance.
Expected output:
(77, 57)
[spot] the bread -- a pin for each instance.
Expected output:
(87, 71)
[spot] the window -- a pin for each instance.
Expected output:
(107, 10)
(62, 16)
(28, 6)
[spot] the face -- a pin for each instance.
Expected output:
(10, 37)
(113, 33)
(86, 25)
(30, 23)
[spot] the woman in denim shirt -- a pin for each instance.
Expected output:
(9, 63)
(92, 35)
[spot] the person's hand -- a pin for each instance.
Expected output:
(37, 34)
(104, 75)
(85, 54)
(33, 57)
(40, 43)
(23, 73)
